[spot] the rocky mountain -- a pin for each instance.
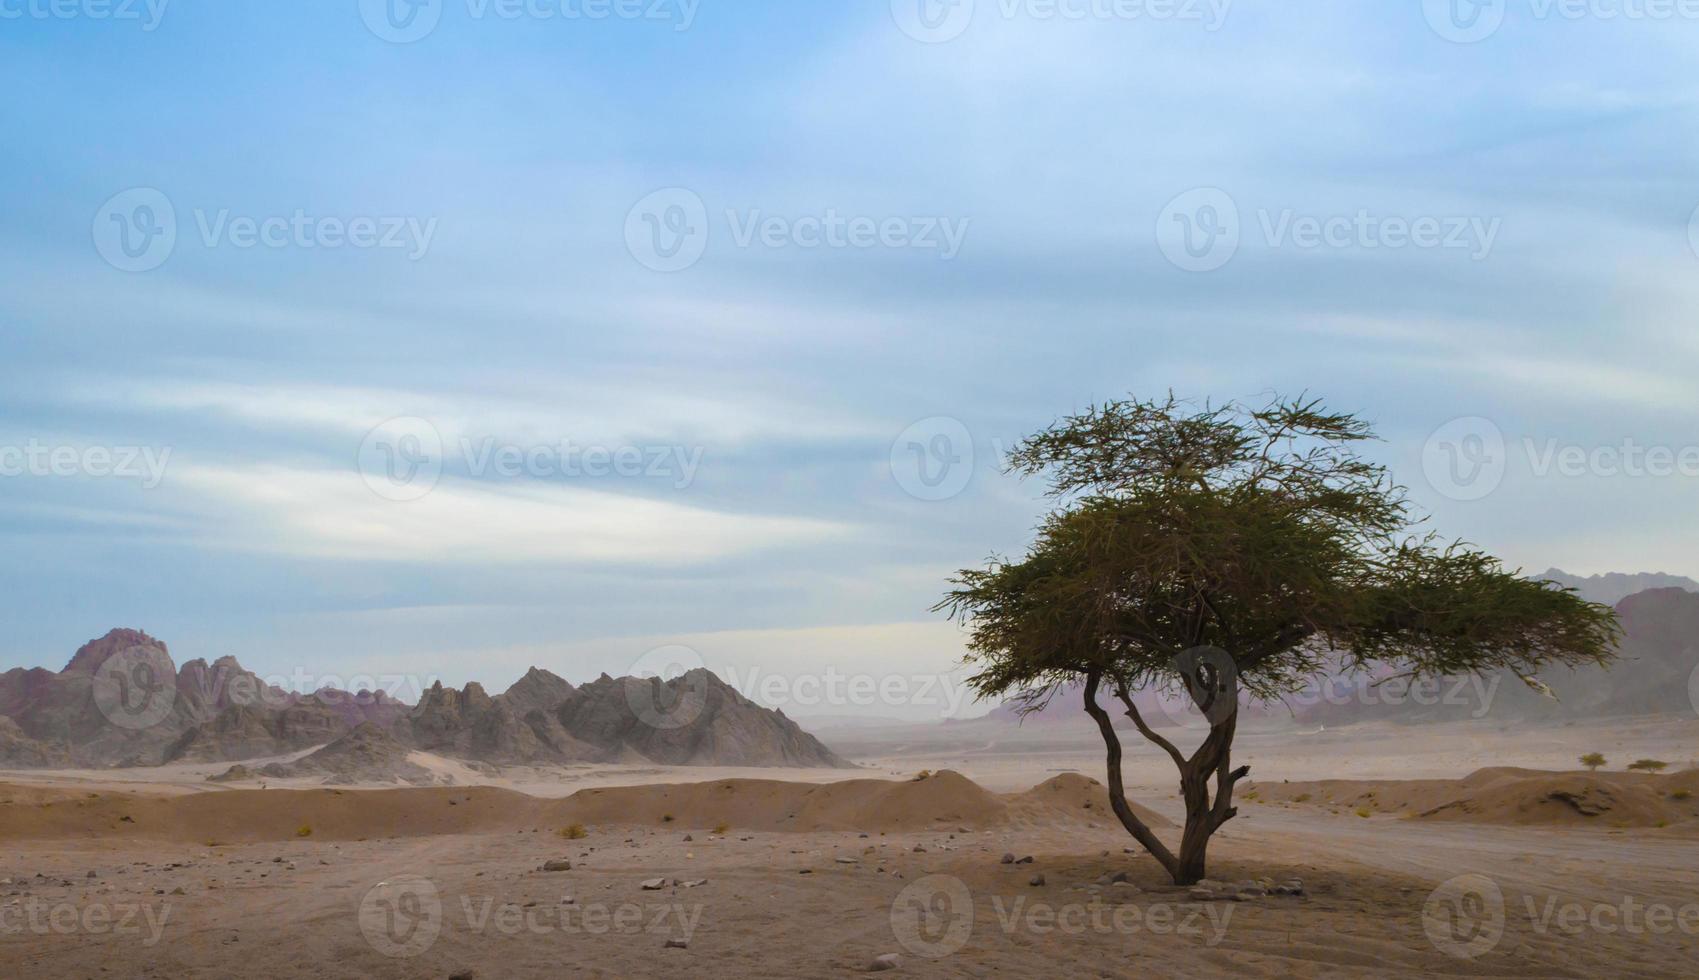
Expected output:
(696, 719)
(1657, 672)
(122, 701)
(368, 754)
(1613, 587)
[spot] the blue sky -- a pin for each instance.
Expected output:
(880, 243)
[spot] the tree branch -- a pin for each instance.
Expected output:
(1117, 791)
(1146, 730)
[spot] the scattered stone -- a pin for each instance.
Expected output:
(678, 944)
(1025, 860)
(693, 883)
(654, 884)
(1037, 881)
(849, 861)
(1008, 859)
(689, 839)
(883, 962)
(919, 850)
(559, 864)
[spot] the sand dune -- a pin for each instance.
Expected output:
(245, 816)
(1503, 795)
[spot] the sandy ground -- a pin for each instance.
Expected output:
(451, 893)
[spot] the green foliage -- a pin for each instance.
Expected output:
(1647, 765)
(1593, 760)
(1261, 532)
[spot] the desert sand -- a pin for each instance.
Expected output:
(806, 873)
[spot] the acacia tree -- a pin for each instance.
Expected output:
(1236, 554)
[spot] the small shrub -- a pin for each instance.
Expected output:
(1681, 794)
(1363, 812)
(666, 818)
(923, 774)
(573, 832)
(722, 828)
(1301, 798)
(305, 830)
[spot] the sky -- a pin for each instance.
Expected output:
(374, 338)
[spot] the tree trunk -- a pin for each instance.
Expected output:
(1204, 816)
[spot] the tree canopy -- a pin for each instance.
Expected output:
(1261, 535)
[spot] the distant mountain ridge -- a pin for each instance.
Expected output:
(1613, 587)
(1657, 672)
(121, 701)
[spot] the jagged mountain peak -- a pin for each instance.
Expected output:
(92, 655)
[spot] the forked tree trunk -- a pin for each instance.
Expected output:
(1204, 816)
